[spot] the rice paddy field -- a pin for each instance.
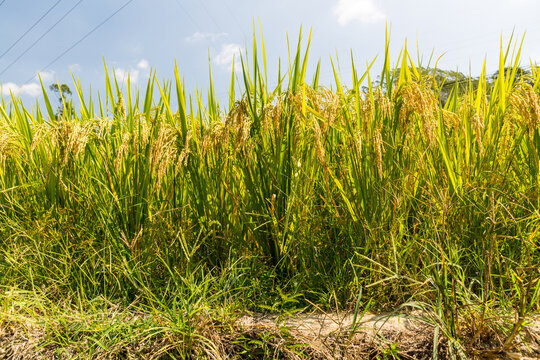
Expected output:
(161, 224)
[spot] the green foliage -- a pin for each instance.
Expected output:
(422, 190)
(63, 92)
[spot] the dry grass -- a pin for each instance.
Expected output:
(255, 335)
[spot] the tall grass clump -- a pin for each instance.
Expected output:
(327, 192)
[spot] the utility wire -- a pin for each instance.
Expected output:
(188, 14)
(2, 3)
(192, 20)
(210, 16)
(233, 16)
(41, 37)
(83, 38)
(31, 27)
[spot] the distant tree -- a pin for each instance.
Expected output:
(442, 82)
(63, 92)
(520, 74)
(445, 82)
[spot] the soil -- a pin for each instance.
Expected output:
(388, 336)
(300, 336)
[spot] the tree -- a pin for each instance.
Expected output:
(62, 91)
(442, 82)
(520, 74)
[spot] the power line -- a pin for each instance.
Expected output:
(210, 16)
(41, 37)
(31, 27)
(83, 38)
(192, 20)
(188, 14)
(233, 16)
(2, 3)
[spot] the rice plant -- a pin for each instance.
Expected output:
(320, 191)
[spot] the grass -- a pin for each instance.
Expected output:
(146, 222)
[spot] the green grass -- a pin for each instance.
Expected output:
(172, 206)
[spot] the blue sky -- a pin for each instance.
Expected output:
(147, 35)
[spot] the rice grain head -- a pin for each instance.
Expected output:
(525, 107)
(121, 107)
(240, 125)
(183, 157)
(417, 100)
(164, 151)
(319, 146)
(9, 145)
(133, 141)
(379, 151)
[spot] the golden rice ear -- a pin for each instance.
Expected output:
(121, 107)
(8, 143)
(123, 150)
(379, 151)
(183, 157)
(417, 101)
(330, 103)
(319, 146)
(164, 151)
(479, 126)
(451, 120)
(384, 104)
(525, 107)
(238, 125)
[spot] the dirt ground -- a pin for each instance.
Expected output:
(300, 336)
(390, 336)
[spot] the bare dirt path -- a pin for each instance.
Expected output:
(298, 336)
(389, 336)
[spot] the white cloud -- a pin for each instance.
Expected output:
(520, 2)
(228, 54)
(9, 87)
(365, 11)
(201, 36)
(46, 76)
(33, 89)
(134, 72)
(143, 64)
(75, 67)
(122, 75)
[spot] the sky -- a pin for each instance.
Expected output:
(58, 38)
